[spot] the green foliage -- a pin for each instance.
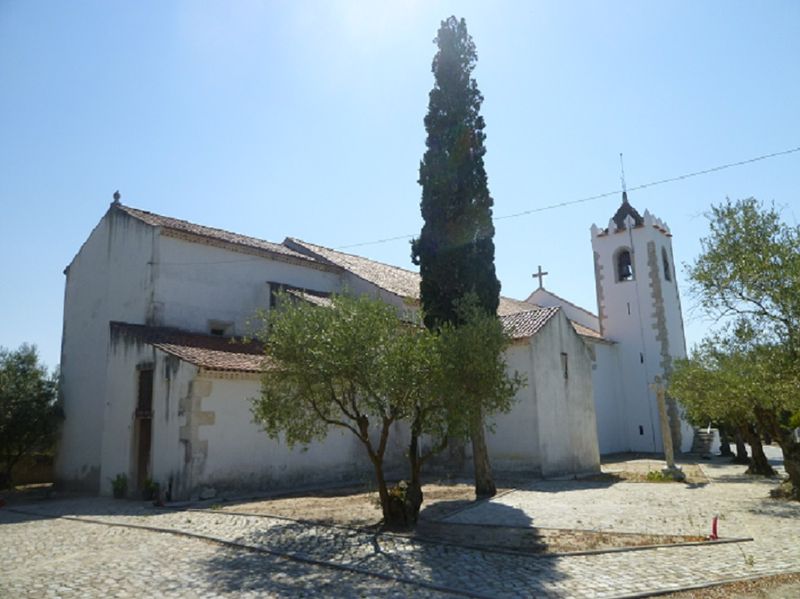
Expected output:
(360, 365)
(351, 365)
(656, 476)
(748, 278)
(119, 485)
(150, 489)
(473, 368)
(749, 270)
(29, 415)
(455, 249)
(360, 362)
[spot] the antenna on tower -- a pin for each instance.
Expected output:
(622, 178)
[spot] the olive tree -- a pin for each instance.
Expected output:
(29, 414)
(360, 365)
(724, 384)
(747, 277)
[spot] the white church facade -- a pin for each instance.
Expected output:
(156, 381)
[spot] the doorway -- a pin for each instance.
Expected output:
(143, 426)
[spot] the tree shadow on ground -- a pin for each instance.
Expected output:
(414, 564)
(251, 572)
(778, 508)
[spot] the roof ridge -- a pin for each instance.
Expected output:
(217, 234)
(304, 243)
(126, 208)
(566, 301)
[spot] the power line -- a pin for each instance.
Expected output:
(601, 195)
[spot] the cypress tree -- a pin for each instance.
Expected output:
(455, 249)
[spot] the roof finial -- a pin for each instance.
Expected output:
(117, 196)
(622, 178)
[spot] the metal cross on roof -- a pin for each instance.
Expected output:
(540, 275)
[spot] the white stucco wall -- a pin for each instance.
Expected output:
(543, 297)
(551, 428)
(565, 406)
(172, 382)
(609, 398)
(109, 279)
(514, 443)
(241, 455)
(197, 283)
(203, 434)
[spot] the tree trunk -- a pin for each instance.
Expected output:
(791, 461)
(6, 481)
(741, 450)
(5, 478)
(414, 495)
(383, 492)
(789, 446)
(484, 482)
(724, 443)
(759, 464)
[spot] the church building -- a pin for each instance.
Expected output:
(157, 381)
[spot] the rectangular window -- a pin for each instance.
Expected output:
(564, 365)
(144, 404)
(220, 328)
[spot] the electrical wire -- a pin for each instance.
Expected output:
(601, 195)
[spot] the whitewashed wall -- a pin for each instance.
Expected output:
(197, 283)
(514, 444)
(551, 427)
(109, 279)
(565, 406)
(609, 398)
(543, 297)
(242, 456)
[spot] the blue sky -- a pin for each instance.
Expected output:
(304, 119)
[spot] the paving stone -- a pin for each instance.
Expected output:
(78, 551)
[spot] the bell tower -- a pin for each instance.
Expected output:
(639, 311)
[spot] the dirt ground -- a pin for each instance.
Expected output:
(784, 586)
(357, 508)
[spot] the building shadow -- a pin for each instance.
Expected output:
(78, 506)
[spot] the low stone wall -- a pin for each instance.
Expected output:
(33, 469)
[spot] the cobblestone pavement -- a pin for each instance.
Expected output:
(66, 558)
(60, 556)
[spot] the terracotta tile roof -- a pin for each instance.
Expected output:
(212, 234)
(510, 306)
(584, 331)
(206, 351)
(400, 281)
(526, 324)
(311, 298)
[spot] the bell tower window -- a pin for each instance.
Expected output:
(665, 262)
(624, 265)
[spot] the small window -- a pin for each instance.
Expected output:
(665, 262)
(624, 266)
(274, 290)
(565, 365)
(144, 403)
(220, 328)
